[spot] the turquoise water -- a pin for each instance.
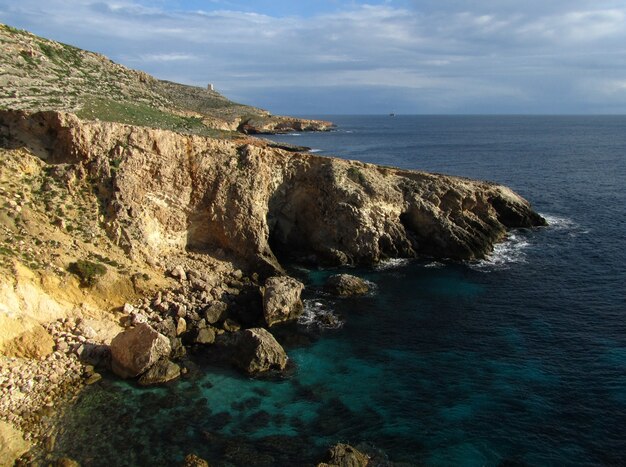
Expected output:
(518, 360)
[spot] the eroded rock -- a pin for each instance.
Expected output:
(135, 350)
(257, 351)
(161, 372)
(344, 455)
(12, 444)
(346, 285)
(281, 299)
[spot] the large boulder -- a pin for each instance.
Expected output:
(281, 299)
(161, 372)
(344, 455)
(256, 351)
(345, 285)
(135, 350)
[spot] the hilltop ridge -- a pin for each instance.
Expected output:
(40, 74)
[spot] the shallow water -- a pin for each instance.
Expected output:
(519, 358)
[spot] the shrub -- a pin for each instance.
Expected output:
(87, 271)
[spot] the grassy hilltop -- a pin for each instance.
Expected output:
(41, 74)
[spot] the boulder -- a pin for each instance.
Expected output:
(231, 325)
(179, 273)
(135, 350)
(181, 326)
(256, 351)
(191, 460)
(161, 372)
(346, 285)
(215, 312)
(205, 336)
(281, 299)
(12, 444)
(344, 455)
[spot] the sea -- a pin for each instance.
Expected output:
(518, 359)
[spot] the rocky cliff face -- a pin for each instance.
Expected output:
(162, 193)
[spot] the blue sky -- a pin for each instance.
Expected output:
(331, 56)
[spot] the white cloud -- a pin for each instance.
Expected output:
(465, 52)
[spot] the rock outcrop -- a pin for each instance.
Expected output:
(279, 125)
(281, 299)
(135, 350)
(164, 192)
(344, 455)
(346, 285)
(257, 351)
(12, 444)
(161, 372)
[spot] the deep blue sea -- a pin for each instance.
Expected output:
(519, 359)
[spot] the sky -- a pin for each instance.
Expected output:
(313, 57)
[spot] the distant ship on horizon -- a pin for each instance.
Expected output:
(392, 114)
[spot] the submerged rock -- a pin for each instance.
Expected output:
(344, 455)
(191, 460)
(257, 351)
(161, 372)
(281, 299)
(135, 350)
(345, 285)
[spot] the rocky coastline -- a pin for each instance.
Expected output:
(129, 246)
(165, 195)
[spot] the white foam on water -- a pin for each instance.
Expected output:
(319, 314)
(291, 134)
(560, 223)
(508, 252)
(391, 263)
(315, 150)
(373, 288)
(434, 264)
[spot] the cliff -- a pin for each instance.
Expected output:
(163, 193)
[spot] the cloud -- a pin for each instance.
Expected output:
(429, 56)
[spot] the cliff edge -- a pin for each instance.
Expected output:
(162, 193)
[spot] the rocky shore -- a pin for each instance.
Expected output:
(140, 226)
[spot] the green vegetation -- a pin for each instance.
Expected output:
(62, 54)
(87, 271)
(142, 115)
(356, 176)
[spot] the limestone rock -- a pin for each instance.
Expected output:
(12, 444)
(181, 326)
(135, 350)
(344, 455)
(281, 299)
(205, 336)
(346, 285)
(191, 460)
(215, 312)
(34, 343)
(255, 201)
(257, 351)
(161, 372)
(179, 272)
(231, 325)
